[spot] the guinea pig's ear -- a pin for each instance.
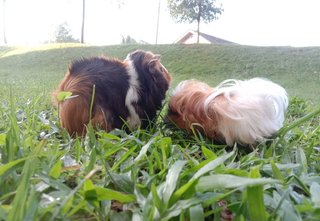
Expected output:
(128, 57)
(152, 63)
(157, 56)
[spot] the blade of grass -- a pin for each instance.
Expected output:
(92, 101)
(302, 160)
(315, 194)
(226, 181)
(123, 158)
(255, 198)
(145, 148)
(3, 213)
(283, 131)
(180, 206)
(171, 180)
(122, 182)
(156, 159)
(13, 141)
(19, 206)
(276, 172)
(196, 213)
(32, 205)
(203, 170)
(156, 199)
(92, 160)
(6, 168)
(208, 153)
(56, 170)
(59, 208)
(18, 211)
(108, 194)
(165, 145)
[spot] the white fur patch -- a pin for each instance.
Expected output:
(132, 95)
(179, 87)
(251, 110)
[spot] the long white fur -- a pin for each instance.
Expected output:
(251, 109)
(132, 95)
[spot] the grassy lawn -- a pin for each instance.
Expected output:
(297, 69)
(160, 173)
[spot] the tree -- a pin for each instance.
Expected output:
(128, 40)
(4, 22)
(63, 34)
(194, 10)
(158, 20)
(83, 19)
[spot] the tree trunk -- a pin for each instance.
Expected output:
(4, 22)
(198, 21)
(198, 31)
(83, 19)
(157, 31)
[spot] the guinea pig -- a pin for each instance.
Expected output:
(236, 111)
(127, 94)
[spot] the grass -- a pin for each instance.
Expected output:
(297, 69)
(160, 173)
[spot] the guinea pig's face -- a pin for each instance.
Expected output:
(156, 68)
(150, 63)
(174, 116)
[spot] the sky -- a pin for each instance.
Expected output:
(248, 22)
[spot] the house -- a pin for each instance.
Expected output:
(190, 37)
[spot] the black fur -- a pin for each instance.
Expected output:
(111, 85)
(153, 88)
(112, 82)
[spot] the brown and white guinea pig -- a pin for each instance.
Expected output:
(245, 112)
(128, 92)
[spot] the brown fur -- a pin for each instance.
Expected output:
(111, 80)
(187, 111)
(72, 120)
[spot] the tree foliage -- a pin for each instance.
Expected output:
(63, 34)
(191, 10)
(194, 11)
(128, 40)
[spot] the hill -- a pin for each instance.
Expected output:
(297, 69)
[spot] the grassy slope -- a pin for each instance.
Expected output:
(161, 173)
(297, 69)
